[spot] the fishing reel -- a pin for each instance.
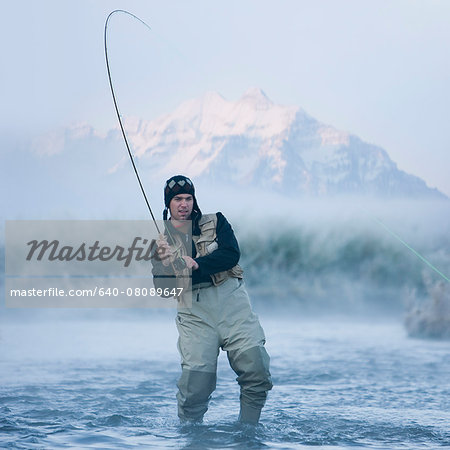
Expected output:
(179, 264)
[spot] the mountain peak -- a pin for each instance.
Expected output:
(211, 96)
(255, 142)
(256, 96)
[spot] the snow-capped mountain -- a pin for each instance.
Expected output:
(254, 142)
(249, 143)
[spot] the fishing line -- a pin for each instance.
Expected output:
(415, 252)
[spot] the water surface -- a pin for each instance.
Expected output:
(110, 383)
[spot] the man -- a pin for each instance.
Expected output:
(220, 316)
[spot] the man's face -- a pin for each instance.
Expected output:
(181, 206)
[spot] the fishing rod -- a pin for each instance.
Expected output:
(116, 107)
(179, 263)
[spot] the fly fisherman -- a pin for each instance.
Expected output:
(220, 316)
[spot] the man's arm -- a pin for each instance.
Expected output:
(226, 255)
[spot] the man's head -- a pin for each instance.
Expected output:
(179, 197)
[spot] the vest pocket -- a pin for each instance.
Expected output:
(211, 247)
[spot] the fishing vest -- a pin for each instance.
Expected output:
(206, 243)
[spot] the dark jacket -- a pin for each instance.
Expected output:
(223, 258)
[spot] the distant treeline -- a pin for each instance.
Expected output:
(336, 268)
(333, 268)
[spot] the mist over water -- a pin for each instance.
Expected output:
(351, 257)
(335, 256)
(332, 257)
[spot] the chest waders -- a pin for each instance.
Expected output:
(220, 318)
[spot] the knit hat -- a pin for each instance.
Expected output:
(179, 184)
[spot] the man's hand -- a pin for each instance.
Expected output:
(164, 250)
(190, 263)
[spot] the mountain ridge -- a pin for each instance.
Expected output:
(254, 142)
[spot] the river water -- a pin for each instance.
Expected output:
(109, 382)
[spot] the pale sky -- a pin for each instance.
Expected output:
(378, 69)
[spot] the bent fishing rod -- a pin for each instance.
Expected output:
(116, 107)
(178, 263)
